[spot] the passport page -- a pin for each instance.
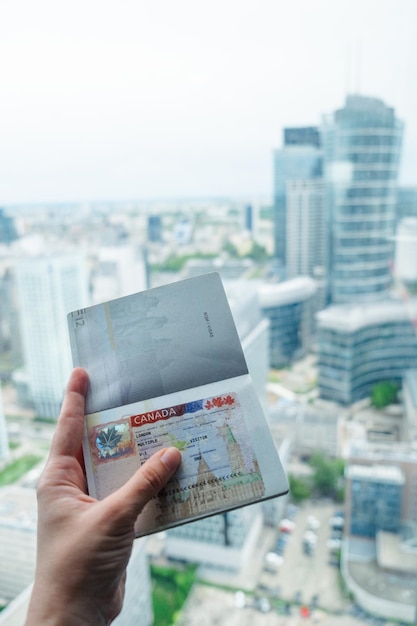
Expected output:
(156, 342)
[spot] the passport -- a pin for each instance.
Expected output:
(167, 368)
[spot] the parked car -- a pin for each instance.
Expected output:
(334, 544)
(337, 522)
(262, 604)
(286, 525)
(313, 523)
(240, 599)
(274, 559)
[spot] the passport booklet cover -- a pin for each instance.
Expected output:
(167, 368)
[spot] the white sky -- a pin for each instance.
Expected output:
(120, 99)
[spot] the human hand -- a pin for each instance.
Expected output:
(84, 544)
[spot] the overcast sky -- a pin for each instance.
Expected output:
(123, 99)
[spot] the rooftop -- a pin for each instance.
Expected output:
(393, 555)
(288, 292)
(376, 473)
(349, 318)
(368, 575)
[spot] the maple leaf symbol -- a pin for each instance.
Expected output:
(108, 438)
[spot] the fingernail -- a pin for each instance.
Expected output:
(171, 458)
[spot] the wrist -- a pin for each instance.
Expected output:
(51, 608)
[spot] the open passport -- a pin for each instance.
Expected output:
(167, 368)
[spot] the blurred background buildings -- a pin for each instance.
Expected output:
(322, 284)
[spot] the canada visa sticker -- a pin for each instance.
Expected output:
(218, 466)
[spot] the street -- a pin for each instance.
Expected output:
(300, 580)
(303, 576)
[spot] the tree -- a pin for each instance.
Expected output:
(170, 588)
(383, 394)
(328, 474)
(258, 253)
(231, 250)
(299, 488)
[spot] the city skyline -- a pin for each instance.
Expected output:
(304, 421)
(111, 102)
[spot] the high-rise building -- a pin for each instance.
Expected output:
(405, 266)
(290, 308)
(18, 518)
(7, 228)
(300, 158)
(402, 455)
(137, 605)
(248, 221)
(379, 555)
(154, 228)
(307, 233)
(49, 287)
(364, 344)
(10, 340)
(361, 144)
(409, 402)
(374, 496)
(4, 440)
(253, 331)
(406, 202)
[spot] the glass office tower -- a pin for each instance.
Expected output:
(361, 345)
(374, 499)
(361, 144)
(299, 159)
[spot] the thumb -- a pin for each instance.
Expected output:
(146, 483)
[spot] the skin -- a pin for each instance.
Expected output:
(84, 544)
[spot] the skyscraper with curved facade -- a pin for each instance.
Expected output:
(361, 144)
(360, 345)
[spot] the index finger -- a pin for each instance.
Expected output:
(70, 425)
